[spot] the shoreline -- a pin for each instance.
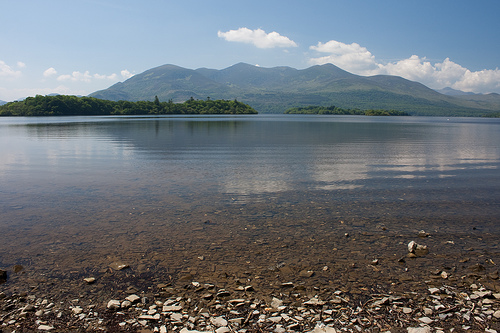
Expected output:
(397, 294)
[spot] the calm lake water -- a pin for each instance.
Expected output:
(77, 191)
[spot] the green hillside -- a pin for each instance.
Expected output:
(274, 90)
(64, 105)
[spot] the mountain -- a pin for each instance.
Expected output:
(453, 92)
(274, 90)
(2, 102)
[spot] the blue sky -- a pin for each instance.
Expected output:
(80, 46)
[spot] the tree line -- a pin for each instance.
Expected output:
(341, 111)
(66, 105)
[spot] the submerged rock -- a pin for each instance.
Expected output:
(3, 276)
(118, 265)
(418, 250)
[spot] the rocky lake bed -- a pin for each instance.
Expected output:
(380, 282)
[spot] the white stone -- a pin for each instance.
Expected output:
(185, 330)
(274, 319)
(77, 310)
(176, 317)
(276, 303)
(419, 329)
(113, 304)
(147, 317)
(171, 308)
(433, 290)
(407, 310)
(126, 304)
(412, 246)
(323, 329)
(132, 298)
(314, 301)
(89, 280)
(497, 314)
(218, 321)
(222, 330)
(45, 327)
(425, 320)
(163, 329)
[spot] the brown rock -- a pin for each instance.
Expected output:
(476, 268)
(3, 276)
(306, 274)
(17, 268)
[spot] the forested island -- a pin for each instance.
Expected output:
(65, 105)
(340, 111)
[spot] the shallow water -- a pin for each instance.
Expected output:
(246, 193)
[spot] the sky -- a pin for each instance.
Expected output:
(81, 46)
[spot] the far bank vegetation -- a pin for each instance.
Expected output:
(334, 110)
(65, 105)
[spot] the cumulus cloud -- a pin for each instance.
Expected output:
(352, 56)
(7, 72)
(49, 72)
(21, 64)
(257, 37)
(126, 74)
(76, 76)
(86, 76)
(357, 59)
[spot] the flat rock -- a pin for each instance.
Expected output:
(126, 304)
(218, 321)
(306, 274)
(171, 308)
(419, 330)
(113, 304)
(496, 314)
(325, 329)
(426, 320)
(45, 328)
(314, 301)
(132, 298)
(434, 290)
(276, 303)
(89, 280)
(118, 265)
(223, 329)
(185, 330)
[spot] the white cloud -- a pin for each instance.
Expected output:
(86, 76)
(76, 76)
(126, 74)
(21, 64)
(257, 37)
(7, 72)
(352, 56)
(357, 59)
(49, 72)
(106, 77)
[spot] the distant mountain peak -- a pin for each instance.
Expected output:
(275, 89)
(453, 92)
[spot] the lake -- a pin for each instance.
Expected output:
(177, 195)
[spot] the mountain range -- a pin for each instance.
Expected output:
(274, 90)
